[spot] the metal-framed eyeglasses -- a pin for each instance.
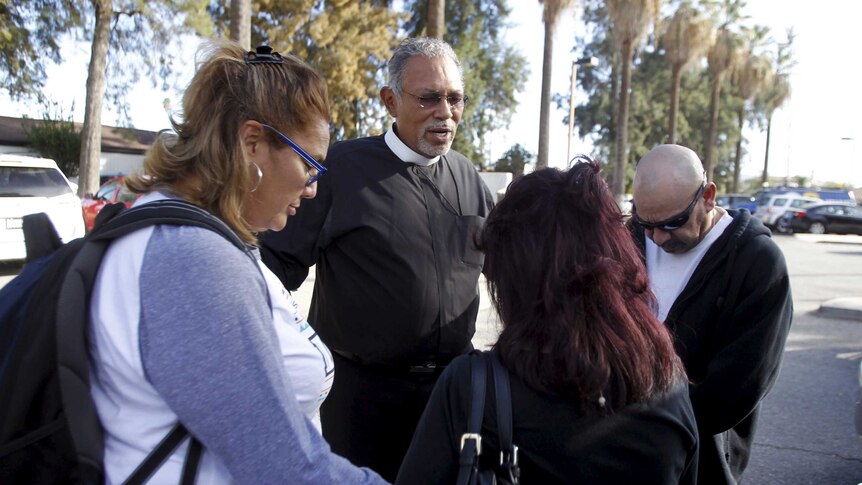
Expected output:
(456, 102)
(312, 163)
(675, 222)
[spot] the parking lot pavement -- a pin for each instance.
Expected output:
(830, 238)
(845, 308)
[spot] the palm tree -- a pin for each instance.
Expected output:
(436, 18)
(687, 37)
(721, 59)
(777, 92)
(631, 20)
(747, 81)
(550, 16)
(773, 96)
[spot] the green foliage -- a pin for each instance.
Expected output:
(514, 160)
(57, 138)
(649, 103)
(29, 33)
(148, 41)
(493, 72)
(347, 41)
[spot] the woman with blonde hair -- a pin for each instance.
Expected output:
(186, 327)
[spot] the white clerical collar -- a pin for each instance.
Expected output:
(404, 152)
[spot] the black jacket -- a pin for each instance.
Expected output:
(652, 442)
(730, 324)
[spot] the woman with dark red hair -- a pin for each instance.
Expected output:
(598, 393)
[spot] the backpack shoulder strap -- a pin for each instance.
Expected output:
(503, 401)
(471, 441)
(167, 211)
(72, 310)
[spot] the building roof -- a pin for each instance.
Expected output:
(114, 139)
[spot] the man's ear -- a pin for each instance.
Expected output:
(250, 134)
(709, 196)
(390, 100)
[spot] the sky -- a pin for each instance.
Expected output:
(815, 134)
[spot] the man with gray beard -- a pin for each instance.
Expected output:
(391, 234)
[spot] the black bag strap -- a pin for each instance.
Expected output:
(166, 211)
(503, 398)
(471, 441)
(115, 221)
(193, 458)
(161, 453)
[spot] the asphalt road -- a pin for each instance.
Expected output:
(806, 433)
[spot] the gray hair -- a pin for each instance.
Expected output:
(418, 46)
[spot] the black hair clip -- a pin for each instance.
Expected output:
(263, 54)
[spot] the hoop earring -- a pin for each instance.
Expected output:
(259, 177)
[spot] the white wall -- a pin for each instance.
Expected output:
(497, 182)
(120, 163)
(109, 164)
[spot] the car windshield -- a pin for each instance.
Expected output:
(32, 182)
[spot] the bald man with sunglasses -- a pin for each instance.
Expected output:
(722, 289)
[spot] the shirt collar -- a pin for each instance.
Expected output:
(404, 152)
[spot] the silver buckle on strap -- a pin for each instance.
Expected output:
(472, 436)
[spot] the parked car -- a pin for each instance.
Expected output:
(824, 195)
(30, 185)
(732, 201)
(771, 208)
(828, 217)
(111, 192)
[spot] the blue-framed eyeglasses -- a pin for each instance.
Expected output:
(302, 154)
(430, 100)
(675, 222)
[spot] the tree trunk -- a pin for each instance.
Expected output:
(709, 163)
(675, 76)
(91, 131)
(621, 144)
(612, 110)
(545, 106)
(765, 178)
(240, 22)
(436, 18)
(737, 159)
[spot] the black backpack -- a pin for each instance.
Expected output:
(472, 470)
(49, 428)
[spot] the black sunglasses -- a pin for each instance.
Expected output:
(675, 222)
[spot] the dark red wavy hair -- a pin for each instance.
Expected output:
(572, 292)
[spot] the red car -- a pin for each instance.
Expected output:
(112, 191)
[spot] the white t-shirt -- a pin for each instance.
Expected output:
(669, 273)
(134, 415)
(307, 360)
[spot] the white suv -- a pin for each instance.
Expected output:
(771, 208)
(29, 185)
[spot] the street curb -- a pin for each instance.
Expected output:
(843, 308)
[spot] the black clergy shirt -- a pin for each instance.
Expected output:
(393, 243)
